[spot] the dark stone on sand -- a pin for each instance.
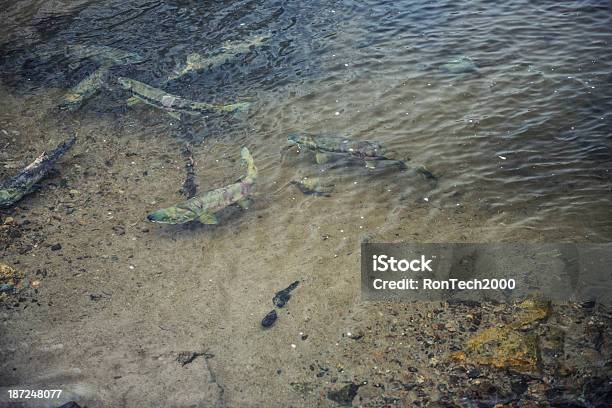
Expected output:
(345, 395)
(269, 319)
(56, 247)
(282, 297)
(474, 373)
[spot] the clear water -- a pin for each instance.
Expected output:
(523, 142)
(521, 146)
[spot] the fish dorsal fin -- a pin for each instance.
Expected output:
(208, 218)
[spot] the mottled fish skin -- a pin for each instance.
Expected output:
(205, 206)
(85, 89)
(103, 55)
(160, 99)
(198, 62)
(17, 187)
(364, 149)
(375, 155)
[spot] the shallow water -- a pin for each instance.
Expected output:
(521, 146)
(523, 141)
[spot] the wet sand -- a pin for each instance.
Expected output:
(122, 297)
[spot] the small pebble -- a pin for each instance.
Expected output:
(269, 319)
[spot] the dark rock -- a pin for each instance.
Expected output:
(474, 373)
(283, 296)
(519, 385)
(588, 304)
(56, 247)
(597, 392)
(269, 319)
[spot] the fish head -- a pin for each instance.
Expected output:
(296, 139)
(9, 196)
(125, 83)
(293, 139)
(172, 215)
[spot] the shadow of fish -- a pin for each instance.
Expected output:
(204, 207)
(23, 183)
(363, 149)
(173, 104)
(229, 50)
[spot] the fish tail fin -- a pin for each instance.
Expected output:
(248, 159)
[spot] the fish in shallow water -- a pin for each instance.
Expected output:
(460, 65)
(172, 103)
(103, 55)
(197, 62)
(23, 183)
(85, 89)
(313, 186)
(375, 155)
(204, 207)
(363, 149)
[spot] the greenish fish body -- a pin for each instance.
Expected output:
(23, 183)
(85, 89)
(460, 65)
(198, 62)
(363, 149)
(103, 55)
(204, 207)
(172, 103)
(375, 155)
